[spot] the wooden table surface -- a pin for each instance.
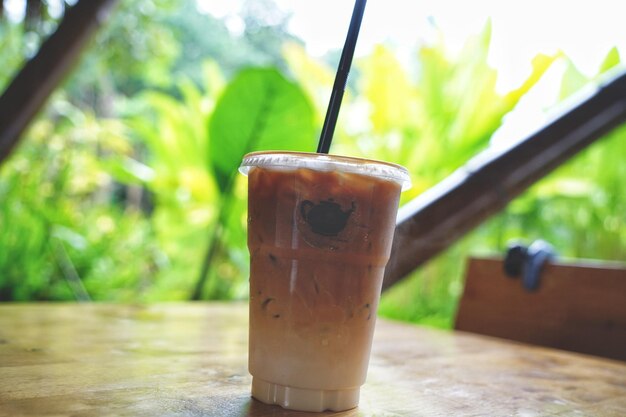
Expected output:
(191, 360)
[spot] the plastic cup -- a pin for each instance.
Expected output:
(320, 229)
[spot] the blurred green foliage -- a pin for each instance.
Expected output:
(579, 208)
(125, 187)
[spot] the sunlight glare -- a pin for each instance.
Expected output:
(585, 31)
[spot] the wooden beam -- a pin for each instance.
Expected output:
(38, 78)
(436, 219)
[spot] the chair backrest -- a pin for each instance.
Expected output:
(577, 307)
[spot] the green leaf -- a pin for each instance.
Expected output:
(128, 170)
(540, 64)
(389, 90)
(315, 77)
(572, 81)
(259, 110)
(611, 60)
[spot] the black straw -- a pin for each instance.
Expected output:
(340, 79)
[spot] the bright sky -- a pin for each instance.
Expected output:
(584, 30)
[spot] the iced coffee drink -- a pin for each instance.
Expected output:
(319, 233)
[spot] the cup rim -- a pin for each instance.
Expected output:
(326, 162)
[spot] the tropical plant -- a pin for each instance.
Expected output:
(65, 234)
(141, 200)
(197, 143)
(579, 209)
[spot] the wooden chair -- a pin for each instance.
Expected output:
(577, 307)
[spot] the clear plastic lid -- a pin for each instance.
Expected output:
(323, 162)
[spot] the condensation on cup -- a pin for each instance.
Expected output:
(320, 229)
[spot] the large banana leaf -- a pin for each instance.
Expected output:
(259, 110)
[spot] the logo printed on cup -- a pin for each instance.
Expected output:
(326, 217)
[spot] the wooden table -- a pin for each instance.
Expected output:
(190, 360)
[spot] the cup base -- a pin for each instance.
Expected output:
(304, 399)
